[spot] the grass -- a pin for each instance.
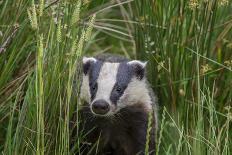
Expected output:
(187, 44)
(187, 49)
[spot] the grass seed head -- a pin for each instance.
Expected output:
(193, 4)
(223, 2)
(205, 68)
(81, 43)
(41, 7)
(90, 28)
(31, 12)
(76, 13)
(34, 16)
(59, 35)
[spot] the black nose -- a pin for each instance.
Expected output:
(100, 107)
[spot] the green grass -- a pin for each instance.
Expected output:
(189, 57)
(187, 49)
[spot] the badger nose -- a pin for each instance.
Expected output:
(100, 107)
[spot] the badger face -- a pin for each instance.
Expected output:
(109, 87)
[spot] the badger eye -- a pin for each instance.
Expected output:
(118, 89)
(94, 86)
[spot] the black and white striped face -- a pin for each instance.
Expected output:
(109, 87)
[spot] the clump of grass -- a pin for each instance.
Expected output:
(185, 41)
(47, 60)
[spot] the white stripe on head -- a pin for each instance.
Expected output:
(137, 62)
(86, 59)
(106, 81)
(136, 93)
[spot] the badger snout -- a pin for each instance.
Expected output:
(100, 107)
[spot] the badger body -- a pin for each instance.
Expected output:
(117, 102)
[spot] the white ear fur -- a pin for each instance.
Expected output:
(88, 59)
(137, 62)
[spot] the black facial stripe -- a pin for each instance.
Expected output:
(93, 76)
(139, 71)
(86, 67)
(123, 78)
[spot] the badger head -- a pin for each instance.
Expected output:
(109, 87)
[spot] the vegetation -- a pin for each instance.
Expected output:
(187, 44)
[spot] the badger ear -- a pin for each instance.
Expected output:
(87, 62)
(138, 68)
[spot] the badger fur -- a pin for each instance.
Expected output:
(117, 102)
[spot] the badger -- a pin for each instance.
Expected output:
(117, 103)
